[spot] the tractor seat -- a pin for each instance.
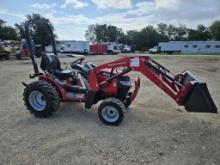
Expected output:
(51, 64)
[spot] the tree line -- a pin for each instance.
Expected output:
(7, 32)
(150, 36)
(39, 32)
(96, 33)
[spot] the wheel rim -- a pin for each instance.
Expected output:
(37, 101)
(110, 114)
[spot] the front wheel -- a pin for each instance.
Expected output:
(111, 111)
(41, 99)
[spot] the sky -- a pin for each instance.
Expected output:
(72, 17)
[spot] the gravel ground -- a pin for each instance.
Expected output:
(155, 130)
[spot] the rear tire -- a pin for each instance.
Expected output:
(41, 99)
(110, 52)
(111, 111)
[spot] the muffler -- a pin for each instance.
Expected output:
(199, 98)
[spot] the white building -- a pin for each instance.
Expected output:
(200, 47)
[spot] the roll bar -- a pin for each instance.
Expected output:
(29, 42)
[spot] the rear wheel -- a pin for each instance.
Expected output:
(7, 57)
(111, 111)
(41, 98)
(110, 52)
(85, 52)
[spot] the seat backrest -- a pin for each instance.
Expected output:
(50, 62)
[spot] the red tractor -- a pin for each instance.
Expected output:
(108, 84)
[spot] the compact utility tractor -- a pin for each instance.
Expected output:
(108, 84)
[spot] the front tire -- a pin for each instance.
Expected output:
(111, 111)
(41, 99)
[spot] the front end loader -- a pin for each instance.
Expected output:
(184, 88)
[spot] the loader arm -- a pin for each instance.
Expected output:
(179, 87)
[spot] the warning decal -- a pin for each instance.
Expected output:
(135, 62)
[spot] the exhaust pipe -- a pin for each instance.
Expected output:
(199, 98)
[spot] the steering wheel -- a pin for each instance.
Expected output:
(78, 61)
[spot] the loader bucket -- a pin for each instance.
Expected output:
(199, 98)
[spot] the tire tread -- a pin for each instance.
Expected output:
(116, 102)
(51, 92)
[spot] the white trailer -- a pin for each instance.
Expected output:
(197, 47)
(70, 46)
(49, 48)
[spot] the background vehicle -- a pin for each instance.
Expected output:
(196, 47)
(155, 49)
(4, 54)
(70, 46)
(98, 49)
(113, 48)
(127, 50)
(9, 48)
